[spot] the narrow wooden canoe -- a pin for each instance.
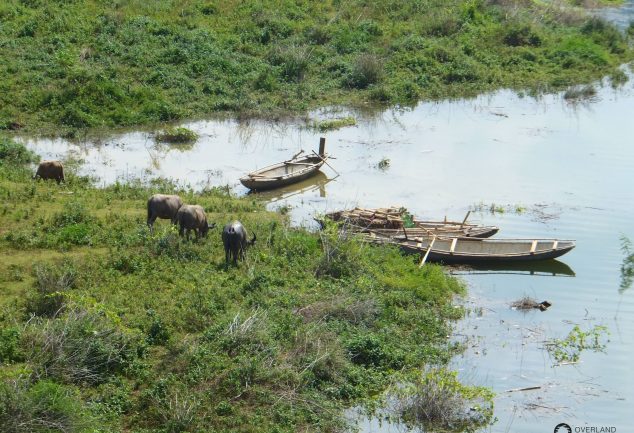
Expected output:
(389, 222)
(472, 250)
(283, 173)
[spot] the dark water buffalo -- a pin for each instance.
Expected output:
(235, 240)
(50, 170)
(192, 217)
(162, 206)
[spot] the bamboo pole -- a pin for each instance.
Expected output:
(326, 162)
(465, 218)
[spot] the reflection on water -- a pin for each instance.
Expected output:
(550, 268)
(622, 15)
(627, 267)
(316, 184)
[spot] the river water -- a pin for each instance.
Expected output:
(535, 167)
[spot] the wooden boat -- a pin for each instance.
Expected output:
(284, 173)
(472, 250)
(392, 222)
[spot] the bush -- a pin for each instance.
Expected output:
(9, 345)
(15, 153)
(520, 35)
(44, 407)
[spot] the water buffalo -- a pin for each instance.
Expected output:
(162, 206)
(50, 170)
(192, 217)
(235, 240)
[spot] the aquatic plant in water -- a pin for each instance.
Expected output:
(568, 350)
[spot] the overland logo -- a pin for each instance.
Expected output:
(562, 428)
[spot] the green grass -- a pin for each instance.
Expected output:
(176, 135)
(88, 63)
(106, 327)
(333, 124)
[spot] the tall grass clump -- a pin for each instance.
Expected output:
(438, 401)
(366, 70)
(292, 61)
(80, 346)
(52, 284)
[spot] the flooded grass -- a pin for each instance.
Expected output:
(176, 135)
(333, 124)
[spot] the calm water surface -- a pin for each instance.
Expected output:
(569, 168)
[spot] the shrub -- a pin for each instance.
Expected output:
(176, 135)
(9, 345)
(340, 254)
(367, 70)
(44, 407)
(522, 34)
(438, 401)
(15, 153)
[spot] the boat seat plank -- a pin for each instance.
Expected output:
(533, 247)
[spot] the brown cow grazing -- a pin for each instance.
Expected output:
(192, 217)
(235, 241)
(162, 206)
(50, 170)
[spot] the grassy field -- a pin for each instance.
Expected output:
(67, 65)
(105, 327)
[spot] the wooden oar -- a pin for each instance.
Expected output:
(325, 162)
(431, 244)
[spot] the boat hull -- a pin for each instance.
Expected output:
(285, 173)
(475, 251)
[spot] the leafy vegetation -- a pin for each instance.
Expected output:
(88, 63)
(106, 327)
(332, 124)
(570, 348)
(176, 135)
